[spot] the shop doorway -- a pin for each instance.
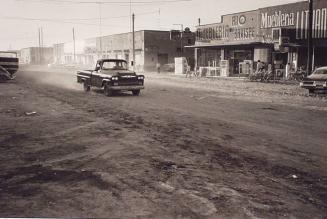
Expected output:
(236, 57)
(279, 62)
(163, 58)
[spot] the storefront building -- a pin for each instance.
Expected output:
(151, 47)
(274, 35)
(229, 48)
(286, 27)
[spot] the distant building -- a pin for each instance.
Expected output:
(36, 55)
(275, 35)
(151, 47)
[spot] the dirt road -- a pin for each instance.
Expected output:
(183, 149)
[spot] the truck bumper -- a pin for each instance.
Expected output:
(133, 87)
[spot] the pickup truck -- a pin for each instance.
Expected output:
(112, 75)
(8, 65)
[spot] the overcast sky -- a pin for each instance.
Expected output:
(19, 19)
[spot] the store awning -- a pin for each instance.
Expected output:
(291, 45)
(228, 44)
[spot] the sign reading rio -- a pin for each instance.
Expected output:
(233, 27)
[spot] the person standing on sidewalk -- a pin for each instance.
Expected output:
(188, 71)
(158, 67)
(287, 70)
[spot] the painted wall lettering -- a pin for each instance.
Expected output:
(298, 20)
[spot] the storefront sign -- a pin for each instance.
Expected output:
(237, 27)
(278, 19)
(296, 17)
(319, 24)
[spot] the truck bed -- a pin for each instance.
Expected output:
(10, 64)
(83, 75)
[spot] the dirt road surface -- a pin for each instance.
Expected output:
(185, 148)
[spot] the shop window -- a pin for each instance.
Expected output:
(189, 41)
(276, 34)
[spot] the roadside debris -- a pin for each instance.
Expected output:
(30, 113)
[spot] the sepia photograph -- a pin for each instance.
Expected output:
(179, 109)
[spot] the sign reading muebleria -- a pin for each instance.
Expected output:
(296, 16)
(233, 28)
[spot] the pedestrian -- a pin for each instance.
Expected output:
(260, 66)
(287, 70)
(188, 71)
(158, 67)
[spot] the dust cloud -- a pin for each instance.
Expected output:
(59, 77)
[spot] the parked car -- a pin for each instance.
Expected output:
(317, 81)
(112, 75)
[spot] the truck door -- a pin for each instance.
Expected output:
(96, 78)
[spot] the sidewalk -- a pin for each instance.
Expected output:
(243, 89)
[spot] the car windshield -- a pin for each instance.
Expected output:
(321, 72)
(114, 65)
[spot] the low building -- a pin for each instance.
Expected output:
(274, 35)
(36, 55)
(151, 47)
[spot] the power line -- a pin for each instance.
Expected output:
(111, 2)
(55, 21)
(69, 20)
(84, 19)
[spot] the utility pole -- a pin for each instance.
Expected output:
(159, 19)
(41, 45)
(310, 41)
(74, 45)
(181, 37)
(130, 15)
(39, 49)
(100, 24)
(133, 27)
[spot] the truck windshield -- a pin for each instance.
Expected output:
(114, 65)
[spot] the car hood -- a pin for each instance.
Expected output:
(117, 72)
(318, 77)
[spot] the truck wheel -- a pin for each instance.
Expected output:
(136, 92)
(311, 91)
(108, 92)
(86, 87)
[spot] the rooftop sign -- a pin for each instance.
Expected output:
(295, 17)
(234, 27)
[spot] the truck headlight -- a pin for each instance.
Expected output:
(140, 78)
(114, 78)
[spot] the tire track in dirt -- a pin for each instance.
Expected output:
(173, 164)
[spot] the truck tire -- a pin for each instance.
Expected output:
(86, 87)
(136, 92)
(107, 91)
(311, 91)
